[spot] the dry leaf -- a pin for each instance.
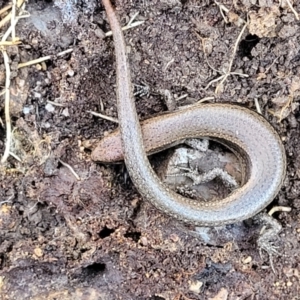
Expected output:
(263, 22)
(295, 85)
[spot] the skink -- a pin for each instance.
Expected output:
(241, 129)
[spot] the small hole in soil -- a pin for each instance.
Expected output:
(105, 232)
(133, 235)
(297, 114)
(247, 44)
(2, 260)
(95, 269)
(217, 162)
(4, 257)
(87, 151)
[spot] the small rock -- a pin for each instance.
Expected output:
(195, 286)
(65, 112)
(247, 260)
(27, 109)
(222, 295)
(71, 72)
(49, 107)
(37, 95)
(34, 41)
(100, 33)
(144, 241)
(38, 252)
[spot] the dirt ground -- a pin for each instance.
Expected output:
(95, 238)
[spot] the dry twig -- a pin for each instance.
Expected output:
(129, 25)
(9, 16)
(41, 59)
(56, 104)
(279, 208)
(258, 109)
(5, 9)
(274, 210)
(103, 116)
(10, 30)
(292, 9)
(6, 105)
(71, 169)
(222, 9)
(15, 156)
(13, 20)
(10, 43)
(223, 77)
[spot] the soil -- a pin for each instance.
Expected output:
(95, 238)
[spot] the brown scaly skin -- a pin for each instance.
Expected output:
(241, 129)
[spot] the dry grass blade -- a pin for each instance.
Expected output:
(10, 43)
(132, 25)
(7, 100)
(9, 16)
(292, 9)
(5, 9)
(103, 116)
(11, 29)
(232, 59)
(71, 169)
(41, 59)
(12, 20)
